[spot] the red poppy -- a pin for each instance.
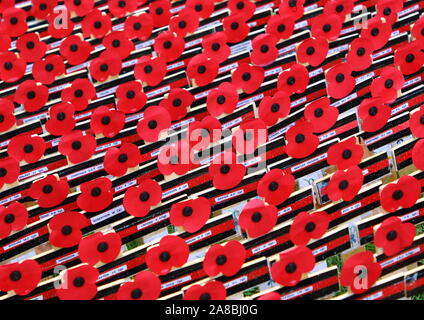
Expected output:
(5, 4)
(77, 146)
(345, 154)
(394, 236)
(264, 49)
(156, 119)
(226, 259)
(177, 102)
(340, 81)
(12, 218)
(14, 22)
(26, 147)
(388, 85)
(120, 8)
(80, 7)
(175, 158)
(65, 229)
(202, 70)
(301, 142)
(404, 193)
(78, 283)
(118, 160)
(150, 70)
(75, 49)
(416, 122)
(360, 52)
(30, 47)
(190, 214)
(307, 226)
(5, 42)
(131, 97)
(202, 133)
(203, 8)
(327, 26)
(212, 290)
(61, 120)
(79, 93)
(377, 31)
(271, 109)
(270, 296)
(12, 68)
(360, 272)
(7, 119)
(276, 186)
(250, 136)
(280, 26)
(99, 247)
(49, 191)
(257, 218)
(226, 172)
(140, 199)
(160, 12)
(340, 7)
(169, 46)
(417, 30)
(96, 24)
(59, 26)
(223, 99)
(215, 47)
(235, 28)
(244, 7)
(292, 7)
(107, 122)
(418, 154)
(389, 9)
(345, 184)
(146, 286)
(172, 251)
(292, 263)
(20, 277)
(294, 80)
(248, 78)
(47, 69)
(95, 195)
(31, 95)
(409, 57)
(107, 65)
(374, 114)
(312, 51)
(321, 114)
(186, 22)
(41, 9)
(117, 41)
(9, 171)
(139, 27)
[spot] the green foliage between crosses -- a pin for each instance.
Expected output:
(336, 261)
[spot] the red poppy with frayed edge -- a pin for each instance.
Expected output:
(80, 8)
(418, 154)
(120, 8)
(360, 268)
(377, 31)
(150, 70)
(222, 99)
(99, 247)
(190, 214)
(77, 146)
(389, 9)
(202, 70)
(146, 286)
(264, 49)
(345, 154)
(7, 118)
(12, 68)
(280, 26)
(169, 46)
(417, 30)
(49, 191)
(215, 47)
(301, 142)
(60, 31)
(177, 102)
(107, 65)
(9, 171)
(235, 28)
(5, 42)
(416, 122)
(307, 226)
(340, 81)
(312, 51)
(226, 259)
(108, 122)
(247, 77)
(394, 236)
(388, 84)
(359, 56)
(270, 296)
(172, 251)
(96, 24)
(61, 119)
(32, 95)
(48, 69)
(65, 229)
(185, 22)
(117, 41)
(14, 22)
(156, 119)
(175, 158)
(244, 7)
(276, 186)
(345, 184)
(79, 93)
(75, 50)
(258, 219)
(271, 109)
(293, 80)
(339, 7)
(131, 97)
(250, 136)
(202, 133)
(118, 160)
(14, 217)
(20, 277)
(321, 114)
(30, 47)
(202, 8)
(327, 26)
(140, 199)
(139, 27)
(409, 58)
(95, 195)
(374, 114)
(212, 290)
(292, 7)
(41, 9)
(78, 283)
(402, 194)
(292, 264)
(160, 12)
(225, 171)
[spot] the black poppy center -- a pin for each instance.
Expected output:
(102, 246)
(13, 20)
(47, 189)
(122, 4)
(201, 69)
(387, 11)
(410, 58)
(78, 93)
(76, 145)
(9, 218)
(373, 111)
(159, 11)
(79, 282)
(246, 76)
(187, 211)
(148, 69)
(164, 256)
(137, 26)
(310, 51)
(281, 28)
(221, 260)
(273, 186)
(343, 185)
(105, 120)
(66, 230)
(97, 24)
(152, 124)
(347, 154)
(291, 81)
(205, 296)
(116, 43)
(122, 158)
(198, 7)
(61, 116)
(264, 48)
(30, 45)
(225, 169)
(340, 77)
(96, 191)
(275, 107)
(3, 172)
(49, 67)
(104, 67)
(318, 112)
(339, 8)
(144, 196)
(15, 276)
(42, 6)
(292, 3)
(8, 65)
(30, 95)
(326, 27)
(389, 83)
(391, 235)
(310, 226)
(299, 138)
(234, 26)
(73, 47)
(375, 32)
(216, 46)
(28, 148)
(77, 2)
(167, 44)
(360, 52)
(182, 24)
(397, 195)
(256, 217)
(291, 267)
(422, 120)
(221, 99)
(136, 294)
